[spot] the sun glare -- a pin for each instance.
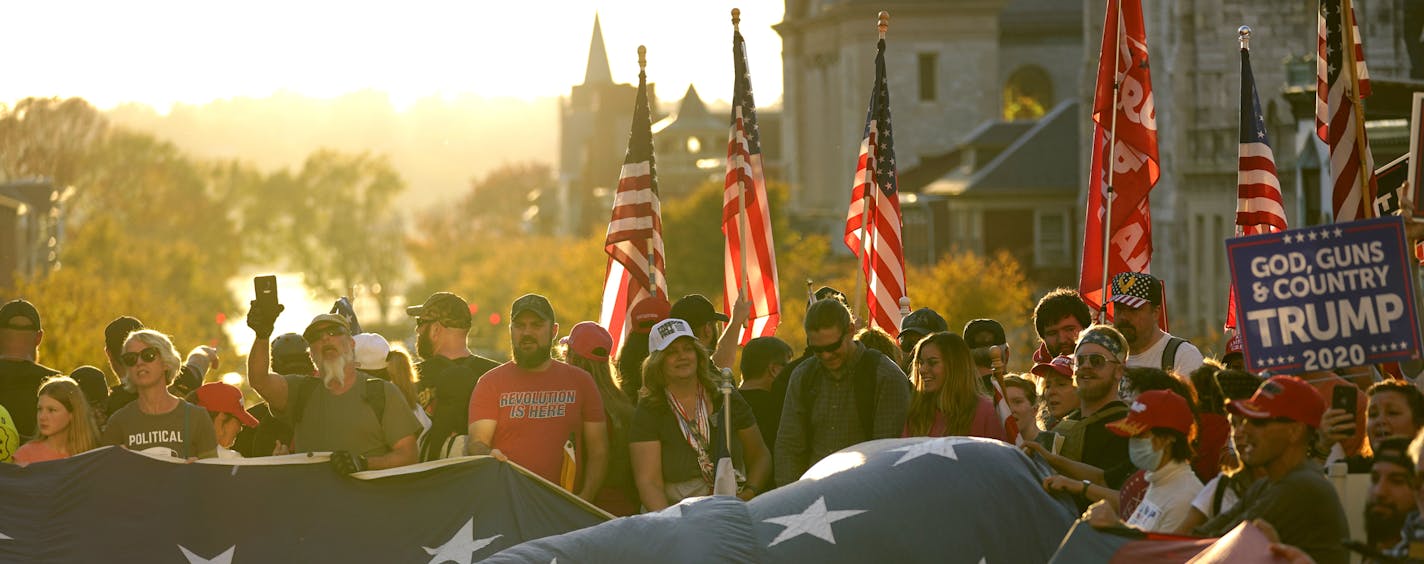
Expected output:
(169, 52)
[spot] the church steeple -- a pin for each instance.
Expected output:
(597, 71)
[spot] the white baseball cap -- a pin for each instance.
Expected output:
(667, 331)
(371, 351)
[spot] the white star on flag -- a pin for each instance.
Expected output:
(461, 547)
(224, 558)
(938, 447)
(4, 536)
(814, 521)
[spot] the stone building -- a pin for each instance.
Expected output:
(985, 95)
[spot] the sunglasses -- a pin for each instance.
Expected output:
(1094, 361)
(830, 347)
(1268, 420)
(130, 359)
(320, 334)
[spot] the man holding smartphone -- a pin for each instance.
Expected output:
(362, 421)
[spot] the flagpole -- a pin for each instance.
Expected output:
(882, 25)
(1347, 56)
(744, 281)
(652, 252)
(1112, 157)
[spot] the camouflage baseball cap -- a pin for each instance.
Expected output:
(449, 309)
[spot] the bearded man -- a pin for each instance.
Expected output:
(362, 421)
(543, 414)
(448, 371)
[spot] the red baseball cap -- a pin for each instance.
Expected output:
(1061, 365)
(648, 313)
(591, 341)
(1233, 345)
(224, 398)
(1283, 396)
(1155, 409)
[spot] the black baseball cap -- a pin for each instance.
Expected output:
(447, 308)
(535, 303)
(760, 352)
(696, 310)
(921, 322)
(978, 328)
(829, 293)
(118, 330)
(19, 315)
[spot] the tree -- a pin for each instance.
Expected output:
(331, 220)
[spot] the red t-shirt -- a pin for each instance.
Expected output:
(534, 413)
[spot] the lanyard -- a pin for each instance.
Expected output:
(696, 430)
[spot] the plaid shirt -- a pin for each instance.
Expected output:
(1412, 533)
(833, 414)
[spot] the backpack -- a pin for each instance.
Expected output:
(1169, 354)
(864, 377)
(1074, 431)
(299, 396)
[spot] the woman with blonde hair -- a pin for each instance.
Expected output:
(949, 397)
(158, 422)
(63, 427)
(679, 426)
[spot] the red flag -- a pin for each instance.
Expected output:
(636, 226)
(873, 221)
(1341, 82)
(745, 180)
(1134, 169)
(1259, 206)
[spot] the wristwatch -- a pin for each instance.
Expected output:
(1086, 483)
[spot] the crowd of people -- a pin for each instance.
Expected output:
(1137, 425)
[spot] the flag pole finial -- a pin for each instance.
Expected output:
(736, 18)
(1243, 34)
(884, 24)
(642, 57)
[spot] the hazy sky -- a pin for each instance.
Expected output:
(195, 51)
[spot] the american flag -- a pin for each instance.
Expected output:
(1133, 170)
(745, 179)
(1337, 93)
(636, 224)
(875, 205)
(1259, 206)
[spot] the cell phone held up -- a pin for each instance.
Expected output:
(1344, 398)
(265, 290)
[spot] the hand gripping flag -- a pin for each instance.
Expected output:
(636, 229)
(749, 257)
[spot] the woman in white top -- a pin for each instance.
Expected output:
(1159, 426)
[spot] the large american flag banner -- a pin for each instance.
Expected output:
(636, 226)
(1338, 91)
(745, 183)
(1259, 206)
(875, 207)
(1134, 169)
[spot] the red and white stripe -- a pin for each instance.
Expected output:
(881, 252)
(744, 177)
(635, 224)
(1351, 164)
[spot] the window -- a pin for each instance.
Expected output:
(927, 76)
(1028, 94)
(1051, 240)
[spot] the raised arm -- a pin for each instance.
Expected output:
(272, 387)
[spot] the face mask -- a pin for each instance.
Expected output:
(1143, 456)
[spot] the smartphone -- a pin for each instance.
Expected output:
(1344, 397)
(265, 288)
(1050, 440)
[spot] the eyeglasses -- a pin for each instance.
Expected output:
(131, 358)
(830, 347)
(332, 331)
(1094, 361)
